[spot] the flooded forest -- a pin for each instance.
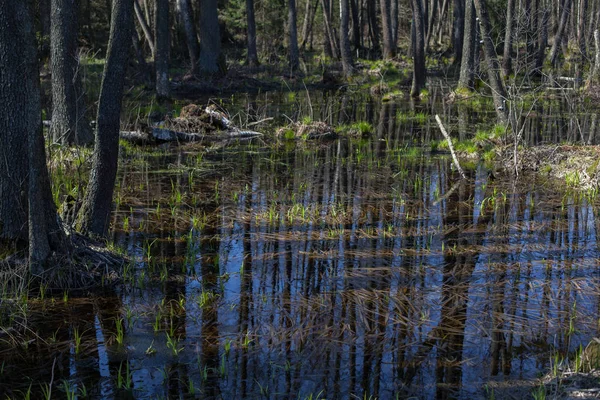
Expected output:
(299, 199)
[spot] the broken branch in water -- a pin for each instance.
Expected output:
(450, 146)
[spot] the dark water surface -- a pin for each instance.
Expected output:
(356, 268)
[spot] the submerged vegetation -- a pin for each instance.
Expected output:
(274, 212)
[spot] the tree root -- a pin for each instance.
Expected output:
(82, 266)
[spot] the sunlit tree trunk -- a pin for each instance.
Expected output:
(97, 205)
(27, 214)
(69, 123)
(191, 35)
(418, 48)
(252, 56)
(162, 42)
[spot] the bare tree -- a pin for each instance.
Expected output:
(294, 57)
(162, 42)
(252, 56)
(347, 62)
(95, 211)
(470, 47)
(493, 66)
(69, 122)
(389, 50)
(418, 48)
(28, 217)
(191, 36)
(211, 59)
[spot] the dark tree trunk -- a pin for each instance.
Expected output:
(294, 55)
(252, 56)
(458, 30)
(493, 67)
(97, 205)
(309, 16)
(386, 26)
(144, 70)
(355, 24)
(331, 45)
(373, 27)
(69, 123)
(394, 22)
(44, 43)
(27, 213)
(161, 57)
(191, 36)
(211, 59)
(347, 62)
(470, 47)
(418, 48)
(558, 38)
(540, 55)
(581, 40)
(431, 23)
(508, 38)
(145, 27)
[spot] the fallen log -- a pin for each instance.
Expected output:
(136, 137)
(168, 135)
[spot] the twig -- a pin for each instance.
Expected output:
(454, 158)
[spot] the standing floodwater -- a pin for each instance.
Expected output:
(356, 267)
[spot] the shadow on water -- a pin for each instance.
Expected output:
(347, 268)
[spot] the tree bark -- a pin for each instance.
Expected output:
(211, 61)
(69, 123)
(44, 9)
(493, 67)
(191, 36)
(294, 56)
(467, 66)
(431, 23)
(558, 38)
(331, 45)
(418, 48)
(458, 30)
(162, 42)
(508, 38)
(252, 56)
(347, 62)
(394, 22)
(27, 213)
(96, 208)
(373, 28)
(145, 27)
(386, 26)
(594, 78)
(542, 41)
(356, 28)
